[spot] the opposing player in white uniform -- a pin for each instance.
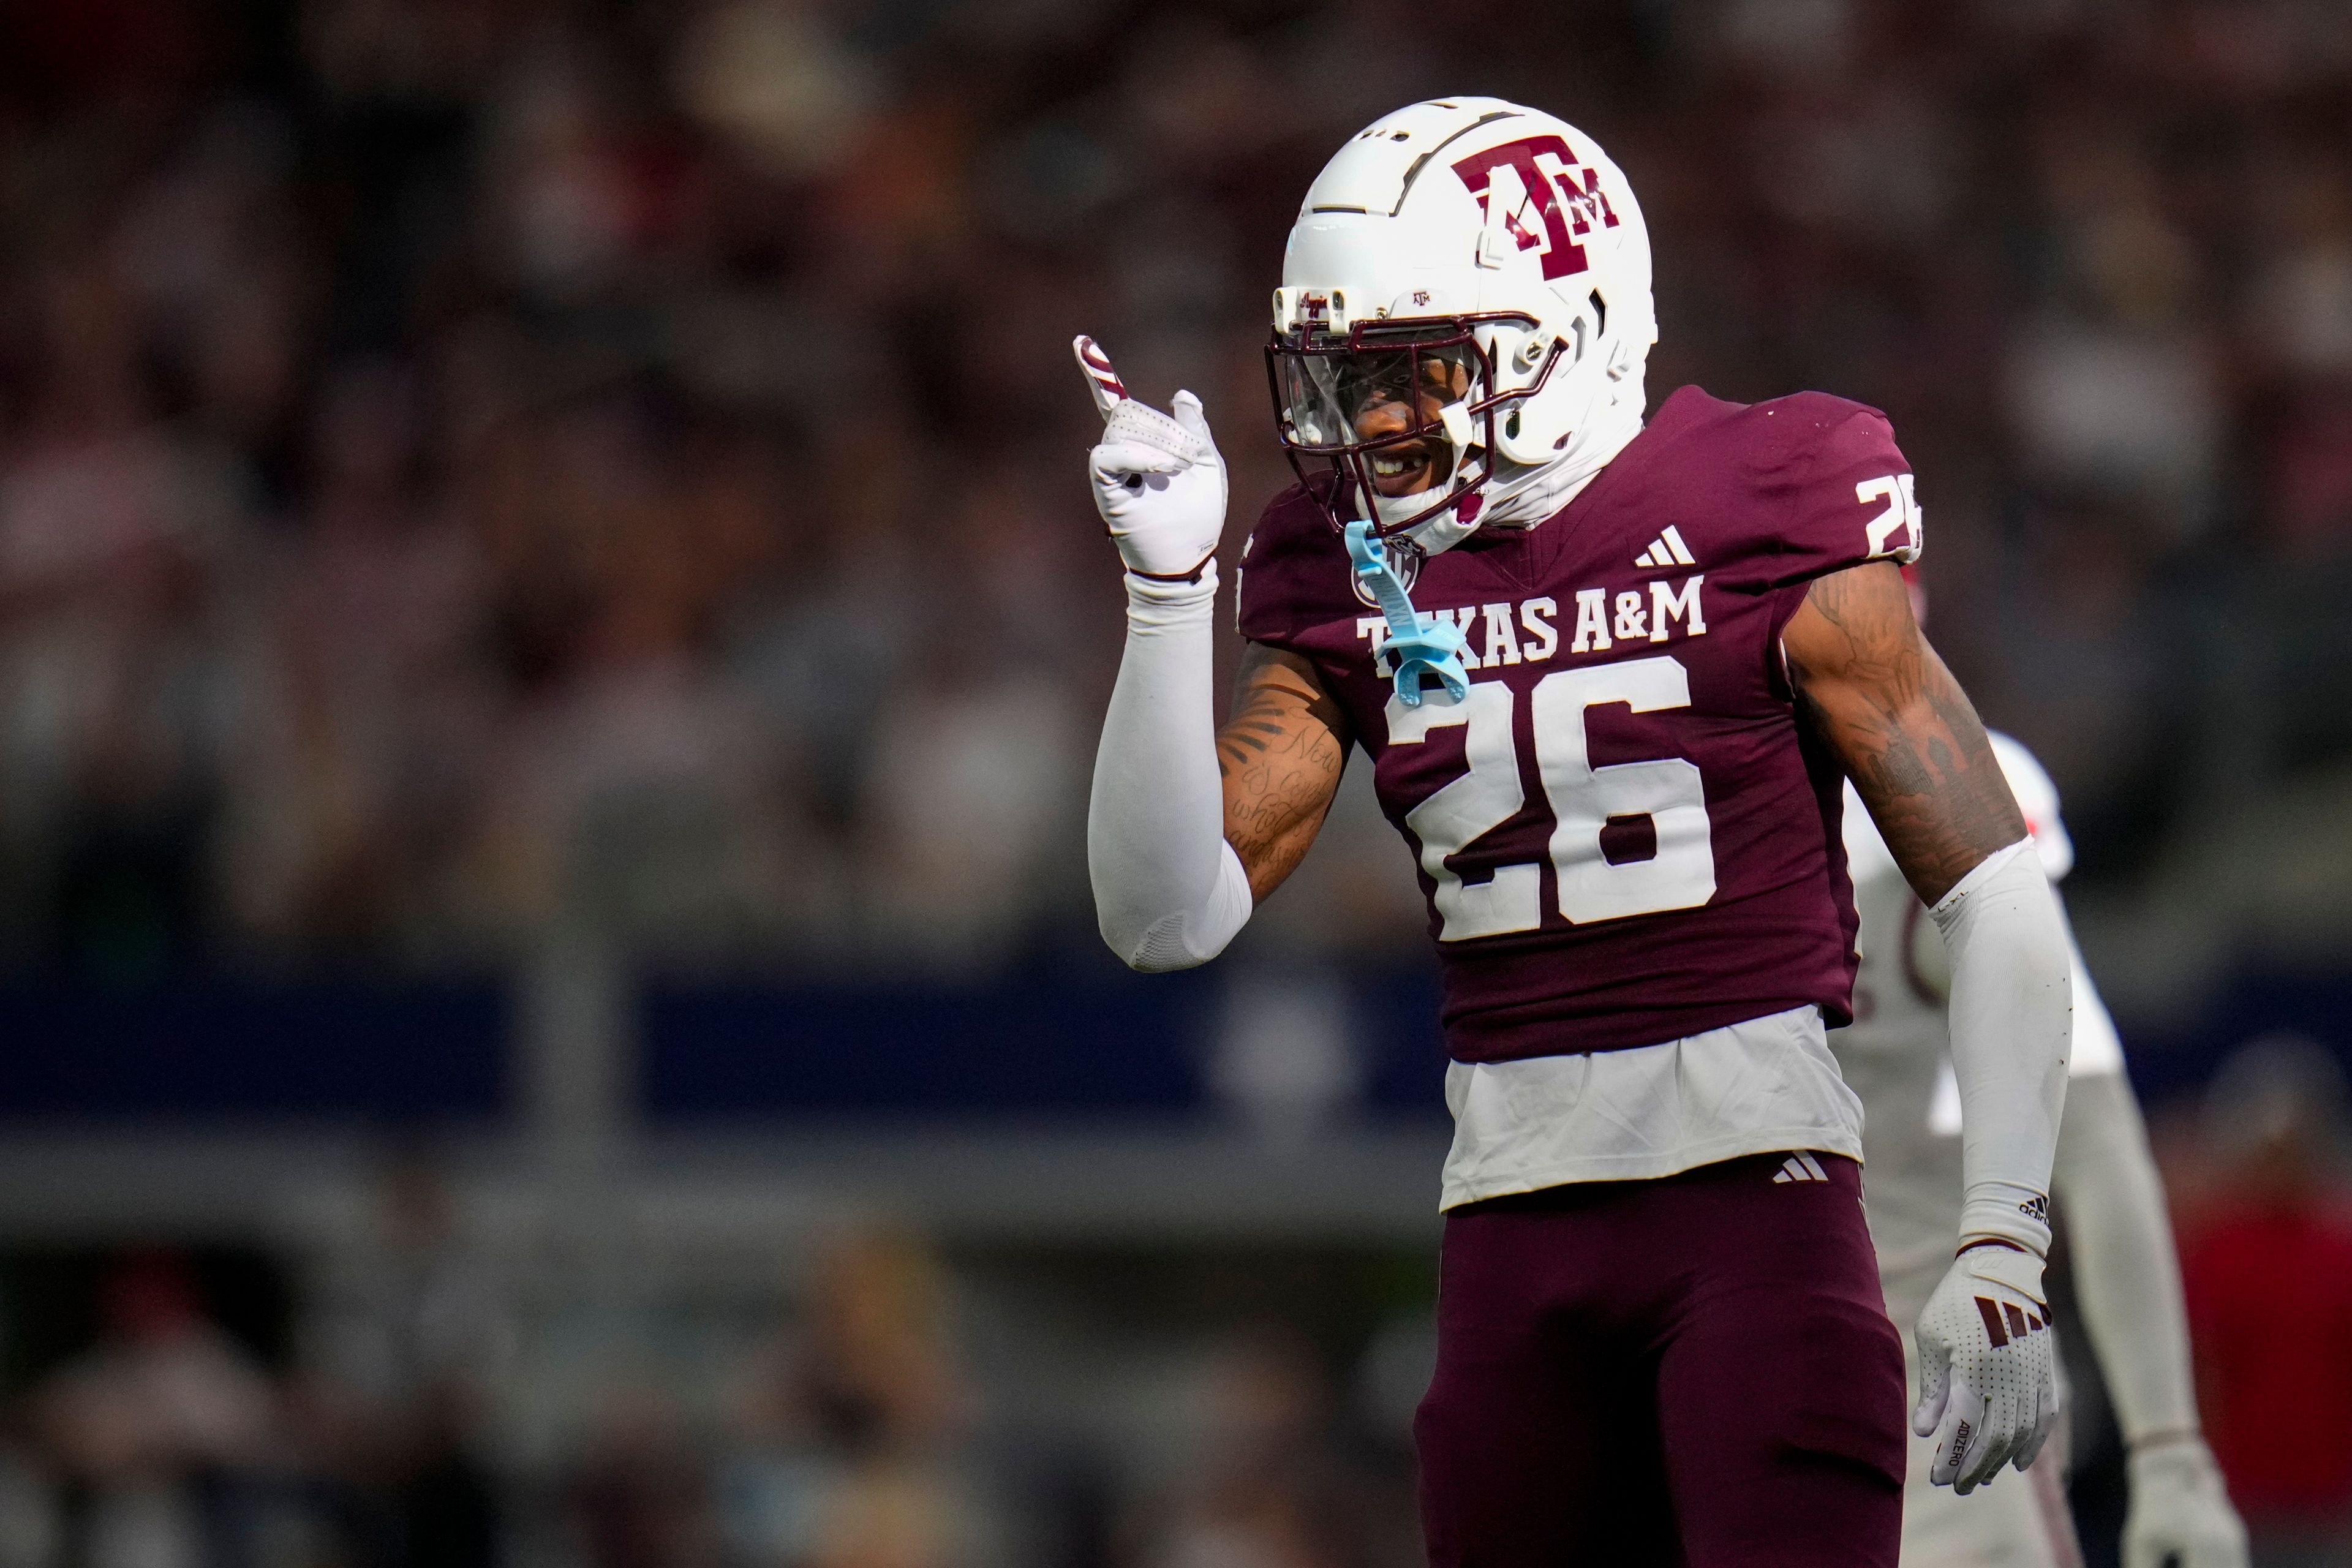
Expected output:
(1896, 1057)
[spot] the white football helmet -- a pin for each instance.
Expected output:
(1462, 322)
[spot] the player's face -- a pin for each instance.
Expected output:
(1406, 394)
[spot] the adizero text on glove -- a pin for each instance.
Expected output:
(1987, 1371)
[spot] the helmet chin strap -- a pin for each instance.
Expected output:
(1443, 531)
(1434, 535)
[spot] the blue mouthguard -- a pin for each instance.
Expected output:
(1416, 644)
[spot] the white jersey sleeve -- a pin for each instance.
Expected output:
(2037, 797)
(2097, 1048)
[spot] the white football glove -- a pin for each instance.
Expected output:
(1988, 1378)
(2181, 1515)
(1160, 482)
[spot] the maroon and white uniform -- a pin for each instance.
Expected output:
(1659, 1337)
(1628, 842)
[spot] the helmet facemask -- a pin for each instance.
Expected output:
(1403, 411)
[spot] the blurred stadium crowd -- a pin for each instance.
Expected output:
(461, 463)
(471, 466)
(844, 1421)
(432, 1386)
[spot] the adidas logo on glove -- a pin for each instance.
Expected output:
(2005, 1319)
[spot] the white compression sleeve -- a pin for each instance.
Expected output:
(1170, 892)
(2125, 1273)
(2011, 1023)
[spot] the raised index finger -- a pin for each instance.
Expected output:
(1102, 381)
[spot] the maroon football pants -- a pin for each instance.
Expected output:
(1693, 1370)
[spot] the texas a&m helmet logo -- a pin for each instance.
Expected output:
(1557, 200)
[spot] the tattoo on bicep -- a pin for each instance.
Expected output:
(1258, 726)
(1279, 711)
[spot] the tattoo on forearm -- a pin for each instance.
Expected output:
(1281, 754)
(1877, 693)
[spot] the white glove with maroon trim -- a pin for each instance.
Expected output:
(1159, 479)
(1987, 1376)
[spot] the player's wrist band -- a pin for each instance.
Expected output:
(1967, 1247)
(1194, 576)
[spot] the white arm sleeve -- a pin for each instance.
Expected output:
(2125, 1273)
(1170, 892)
(2011, 1023)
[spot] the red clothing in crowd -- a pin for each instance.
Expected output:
(2270, 1306)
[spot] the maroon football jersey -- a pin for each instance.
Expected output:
(1625, 833)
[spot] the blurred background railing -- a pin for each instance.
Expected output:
(550, 639)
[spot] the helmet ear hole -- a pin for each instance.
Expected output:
(1525, 437)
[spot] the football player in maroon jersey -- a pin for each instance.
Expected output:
(1611, 677)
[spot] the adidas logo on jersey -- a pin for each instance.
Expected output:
(1668, 550)
(1801, 1167)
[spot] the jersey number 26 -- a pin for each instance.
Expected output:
(1679, 876)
